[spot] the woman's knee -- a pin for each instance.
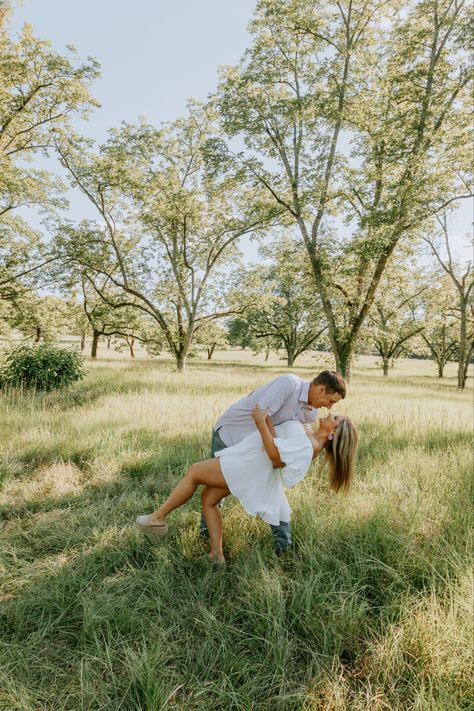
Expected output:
(206, 496)
(211, 496)
(192, 473)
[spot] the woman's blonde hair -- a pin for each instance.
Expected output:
(340, 455)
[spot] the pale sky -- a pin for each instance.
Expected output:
(154, 55)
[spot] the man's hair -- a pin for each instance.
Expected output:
(332, 381)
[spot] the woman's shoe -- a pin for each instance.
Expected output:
(143, 523)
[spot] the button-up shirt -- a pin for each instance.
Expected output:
(285, 398)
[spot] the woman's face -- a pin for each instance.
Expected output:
(330, 423)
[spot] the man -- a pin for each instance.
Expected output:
(286, 397)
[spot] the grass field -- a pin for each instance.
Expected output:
(371, 610)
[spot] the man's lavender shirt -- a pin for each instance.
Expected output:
(285, 398)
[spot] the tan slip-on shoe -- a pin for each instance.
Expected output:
(143, 523)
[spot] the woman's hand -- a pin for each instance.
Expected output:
(259, 415)
(265, 427)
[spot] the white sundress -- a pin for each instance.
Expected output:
(250, 475)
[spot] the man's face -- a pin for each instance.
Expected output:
(320, 398)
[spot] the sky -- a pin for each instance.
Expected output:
(154, 55)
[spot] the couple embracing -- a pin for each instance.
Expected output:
(261, 444)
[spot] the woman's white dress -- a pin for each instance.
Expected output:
(250, 475)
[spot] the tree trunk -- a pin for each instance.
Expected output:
(442, 359)
(109, 341)
(95, 343)
(267, 353)
(290, 358)
(462, 347)
(83, 340)
(385, 367)
(38, 334)
(130, 345)
(180, 361)
(343, 356)
(467, 362)
(210, 351)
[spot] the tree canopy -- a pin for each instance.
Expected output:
(356, 110)
(39, 92)
(345, 126)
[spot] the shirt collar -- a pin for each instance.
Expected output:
(304, 391)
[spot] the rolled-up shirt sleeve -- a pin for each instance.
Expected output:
(275, 394)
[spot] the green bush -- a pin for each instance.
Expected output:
(43, 367)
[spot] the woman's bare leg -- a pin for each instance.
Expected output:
(210, 497)
(208, 473)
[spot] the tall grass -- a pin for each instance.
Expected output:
(370, 610)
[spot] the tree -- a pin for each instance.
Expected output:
(40, 89)
(168, 225)
(238, 332)
(42, 318)
(79, 324)
(463, 282)
(241, 333)
(440, 335)
(285, 310)
(358, 110)
(6, 309)
(395, 317)
(108, 320)
(211, 335)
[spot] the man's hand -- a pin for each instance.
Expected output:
(259, 415)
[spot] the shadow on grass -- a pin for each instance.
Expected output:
(238, 636)
(157, 464)
(167, 458)
(263, 629)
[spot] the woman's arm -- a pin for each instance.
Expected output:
(270, 426)
(260, 417)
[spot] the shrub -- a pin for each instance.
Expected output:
(43, 367)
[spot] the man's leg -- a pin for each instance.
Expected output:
(216, 445)
(281, 536)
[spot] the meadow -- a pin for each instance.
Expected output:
(371, 610)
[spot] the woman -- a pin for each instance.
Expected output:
(247, 470)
